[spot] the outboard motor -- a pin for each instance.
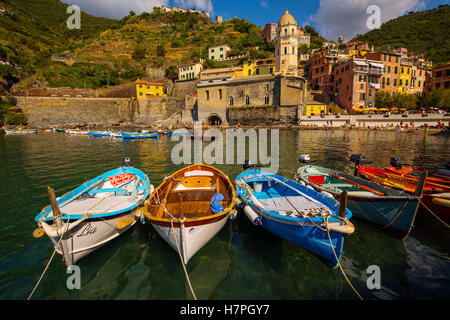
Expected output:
(305, 159)
(248, 164)
(127, 162)
(396, 163)
(447, 165)
(357, 159)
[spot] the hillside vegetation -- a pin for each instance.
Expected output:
(422, 32)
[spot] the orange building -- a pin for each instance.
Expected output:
(321, 67)
(439, 78)
(391, 77)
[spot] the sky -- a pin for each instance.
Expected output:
(332, 18)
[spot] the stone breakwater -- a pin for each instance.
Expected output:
(55, 111)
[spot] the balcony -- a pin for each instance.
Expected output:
(376, 71)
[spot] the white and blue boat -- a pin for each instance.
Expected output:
(95, 134)
(295, 212)
(137, 136)
(95, 213)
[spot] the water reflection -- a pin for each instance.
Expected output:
(242, 261)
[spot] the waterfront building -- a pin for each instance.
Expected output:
(439, 78)
(286, 46)
(418, 79)
(190, 71)
(391, 77)
(357, 81)
(405, 76)
(219, 53)
(145, 89)
(321, 67)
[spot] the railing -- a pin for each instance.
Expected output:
(376, 71)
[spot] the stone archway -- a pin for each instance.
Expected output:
(214, 120)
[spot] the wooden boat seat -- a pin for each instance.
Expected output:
(194, 209)
(341, 185)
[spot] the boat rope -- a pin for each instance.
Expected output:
(48, 264)
(339, 263)
(435, 215)
(398, 215)
(182, 261)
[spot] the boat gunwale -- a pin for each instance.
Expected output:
(80, 190)
(199, 220)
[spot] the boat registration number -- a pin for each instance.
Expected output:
(121, 179)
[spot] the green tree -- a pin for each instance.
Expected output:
(161, 51)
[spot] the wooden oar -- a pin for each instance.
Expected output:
(378, 193)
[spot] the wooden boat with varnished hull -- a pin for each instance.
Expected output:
(190, 207)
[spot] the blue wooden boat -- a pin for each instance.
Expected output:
(95, 213)
(136, 136)
(295, 212)
(392, 209)
(102, 134)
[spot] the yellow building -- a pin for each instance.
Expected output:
(316, 108)
(258, 67)
(404, 81)
(146, 89)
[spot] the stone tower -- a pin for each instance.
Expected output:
(286, 46)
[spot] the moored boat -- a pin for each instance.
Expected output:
(295, 212)
(10, 131)
(137, 136)
(190, 207)
(392, 209)
(435, 195)
(99, 134)
(95, 213)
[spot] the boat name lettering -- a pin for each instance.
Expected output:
(87, 230)
(121, 179)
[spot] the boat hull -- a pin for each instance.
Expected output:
(396, 216)
(190, 237)
(90, 236)
(308, 237)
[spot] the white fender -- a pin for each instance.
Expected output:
(252, 216)
(303, 183)
(343, 226)
(327, 194)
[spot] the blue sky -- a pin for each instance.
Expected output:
(330, 17)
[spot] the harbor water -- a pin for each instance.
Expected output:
(243, 262)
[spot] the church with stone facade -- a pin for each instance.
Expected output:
(280, 95)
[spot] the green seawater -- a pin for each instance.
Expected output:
(243, 261)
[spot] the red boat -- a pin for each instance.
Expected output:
(436, 193)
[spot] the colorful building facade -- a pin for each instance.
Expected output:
(146, 89)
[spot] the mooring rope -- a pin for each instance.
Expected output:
(442, 221)
(48, 264)
(339, 264)
(182, 261)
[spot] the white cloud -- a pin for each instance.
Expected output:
(116, 8)
(349, 17)
(196, 4)
(264, 4)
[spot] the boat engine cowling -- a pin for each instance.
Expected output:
(305, 159)
(396, 163)
(248, 164)
(357, 159)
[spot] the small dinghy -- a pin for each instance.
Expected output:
(137, 136)
(94, 134)
(17, 131)
(392, 209)
(190, 207)
(295, 212)
(98, 211)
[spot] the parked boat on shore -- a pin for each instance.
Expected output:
(95, 213)
(394, 210)
(11, 131)
(295, 212)
(190, 207)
